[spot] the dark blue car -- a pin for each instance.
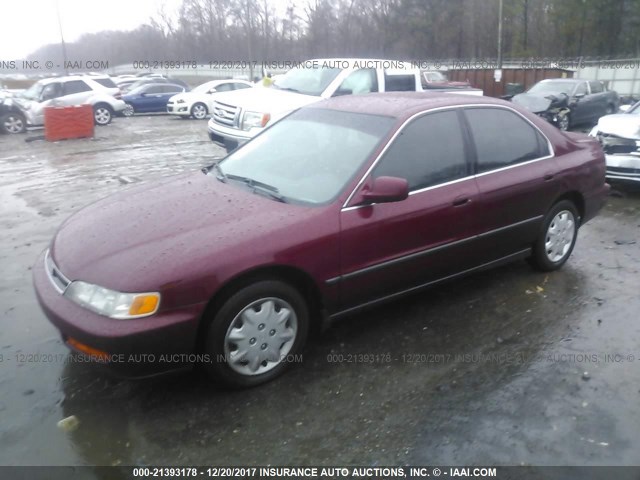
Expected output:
(150, 98)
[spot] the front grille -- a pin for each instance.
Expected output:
(226, 114)
(612, 144)
(57, 278)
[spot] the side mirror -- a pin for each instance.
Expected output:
(386, 190)
(213, 90)
(578, 96)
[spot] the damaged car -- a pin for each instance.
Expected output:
(619, 136)
(566, 102)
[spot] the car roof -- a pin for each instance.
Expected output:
(403, 104)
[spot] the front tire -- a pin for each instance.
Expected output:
(102, 114)
(13, 122)
(557, 237)
(199, 111)
(255, 334)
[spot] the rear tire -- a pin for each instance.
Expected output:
(253, 336)
(557, 237)
(102, 114)
(128, 110)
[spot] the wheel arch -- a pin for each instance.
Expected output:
(295, 277)
(574, 197)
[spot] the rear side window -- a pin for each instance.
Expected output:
(171, 88)
(224, 87)
(503, 138)
(240, 86)
(105, 82)
(428, 151)
(154, 89)
(75, 86)
(399, 83)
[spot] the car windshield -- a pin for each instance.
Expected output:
(308, 157)
(33, 92)
(309, 81)
(553, 87)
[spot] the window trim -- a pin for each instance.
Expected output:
(552, 152)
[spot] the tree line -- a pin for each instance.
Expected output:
(261, 30)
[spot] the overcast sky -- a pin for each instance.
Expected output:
(26, 25)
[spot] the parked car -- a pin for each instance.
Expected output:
(569, 102)
(619, 136)
(434, 80)
(68, 91)
(152, 97)
(128, 87)
(198, 103)
(12, 119)
(239, 116)
(339, 206)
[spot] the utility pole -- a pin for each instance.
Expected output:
(500, 35)
(64, 47)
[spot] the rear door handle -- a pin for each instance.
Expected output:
(461, 201)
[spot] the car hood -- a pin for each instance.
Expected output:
(266, 100)
(623, 125)
(191, 97)
(140, 238)
(537, 103)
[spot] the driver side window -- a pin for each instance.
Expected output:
(51, 91)
(581, 89)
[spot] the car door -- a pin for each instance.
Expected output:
(358, 82)
(148, 98)
(517, 177)
(600, 100)
(388, 248)
(581, 104)
(75, 92)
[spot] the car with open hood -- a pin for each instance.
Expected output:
(341, 205)
(567, 102)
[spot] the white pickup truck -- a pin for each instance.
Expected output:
(240, 115)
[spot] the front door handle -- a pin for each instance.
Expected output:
(548, 176)
(461, 201)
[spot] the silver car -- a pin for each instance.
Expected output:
(619, 135)
(69, 91)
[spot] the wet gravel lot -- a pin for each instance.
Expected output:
(506, 367)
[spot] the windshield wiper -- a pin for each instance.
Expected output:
(257, 186)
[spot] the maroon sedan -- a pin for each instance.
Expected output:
(339, 206)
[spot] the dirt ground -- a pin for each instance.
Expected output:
(506, 367)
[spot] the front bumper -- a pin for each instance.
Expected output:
(182, 109)
(228, 136)
(623, 167)
(139, 347)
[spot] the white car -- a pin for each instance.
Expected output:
(619, 135)
(198, 103)
(69, 91)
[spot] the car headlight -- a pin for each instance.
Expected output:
(254, 120)
(180, 101)
(113, 304)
